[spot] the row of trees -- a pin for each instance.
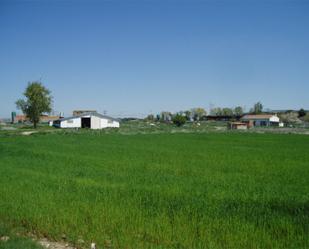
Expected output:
(196, 114)
(237, 111)
(217, 111)
(193, 114)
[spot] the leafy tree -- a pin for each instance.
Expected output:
(217, 111)
(257, 108)
(150, 117)
(179, 120)
(165, 116)
(227, 111)
(301, 113)
(238, 111)
(198, 113)
(38, 100)
(188, 115)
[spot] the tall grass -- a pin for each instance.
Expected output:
(159, 190)
(9, 240)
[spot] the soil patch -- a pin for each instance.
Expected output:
(54, 245)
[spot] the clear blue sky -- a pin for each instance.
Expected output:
(137, 57)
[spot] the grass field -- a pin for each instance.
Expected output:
(216, 190)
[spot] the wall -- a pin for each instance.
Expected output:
(71, 123)
(114, 124)
(241, 127)
(95, 122)
(109, 123)
(262, 122)
(274, 119)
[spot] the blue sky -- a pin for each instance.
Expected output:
(132, 58)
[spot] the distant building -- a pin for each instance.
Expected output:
(92, 120)
(47, 118)
(24, 118)
(19, 119)
(261, 120)
(237, 126)
(222, 117)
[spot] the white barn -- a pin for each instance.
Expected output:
(91, 120)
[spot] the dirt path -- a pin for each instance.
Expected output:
(27, 133)
(54, 245)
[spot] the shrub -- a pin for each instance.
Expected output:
(306, 118)
(301, 113)
(179, 120)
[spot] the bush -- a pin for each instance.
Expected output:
(179, 120)
(301, 113)
(306, 118)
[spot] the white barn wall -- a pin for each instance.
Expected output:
(115, 124)
(274, 119)
(71, 123)
(95, 122)
(109, 123)
(103, 123)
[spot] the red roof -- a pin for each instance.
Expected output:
(257, 116)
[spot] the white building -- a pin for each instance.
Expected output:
(91, 120)
(261, 120)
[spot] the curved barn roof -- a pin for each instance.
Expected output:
(90, 114)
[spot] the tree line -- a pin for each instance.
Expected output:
(199, 113)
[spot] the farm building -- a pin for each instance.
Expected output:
(23, 118)
(261, 120)
(222, 117)
(92, 120)
(237, 126)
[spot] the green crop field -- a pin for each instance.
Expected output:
(216, 190)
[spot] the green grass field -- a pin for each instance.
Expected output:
(216, 190)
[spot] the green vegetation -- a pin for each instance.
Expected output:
(138, 127)
(257, 108)
(9, 240)
(238, 111)
(215, 190)
(301, 113)
(38, 100)
(179, 120)
(198, 113)
(19, 243)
